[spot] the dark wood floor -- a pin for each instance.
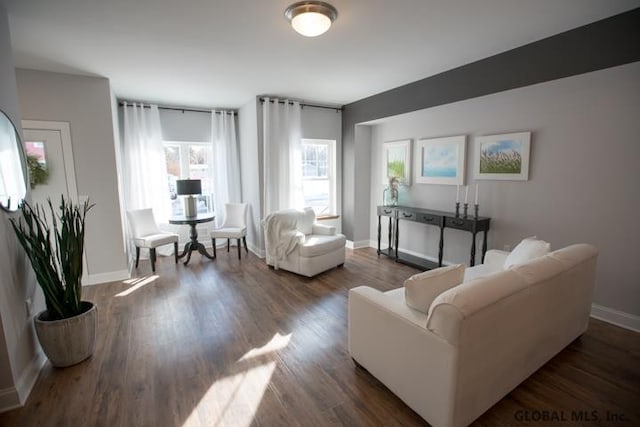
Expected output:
(234, 343)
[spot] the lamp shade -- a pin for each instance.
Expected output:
(188, 186)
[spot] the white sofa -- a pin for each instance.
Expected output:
(480, 339)
(295, 242)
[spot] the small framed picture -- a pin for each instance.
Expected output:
(441, 160)
(396, 161)
(503, 157)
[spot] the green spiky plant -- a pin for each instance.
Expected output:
(54, 246)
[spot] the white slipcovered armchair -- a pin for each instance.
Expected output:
(295, 242)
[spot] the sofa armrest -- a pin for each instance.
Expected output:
(326, 230)
(495, 258)
(415, 364)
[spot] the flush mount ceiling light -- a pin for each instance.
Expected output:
(311, 18)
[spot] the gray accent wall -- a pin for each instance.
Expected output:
(583, 176)
(606, 43)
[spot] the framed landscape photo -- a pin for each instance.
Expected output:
(503, 157)
(396, 161)
(441, 160)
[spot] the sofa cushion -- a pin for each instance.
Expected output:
(421, 289)
(316, 244)
(527, 250)
(305, 221)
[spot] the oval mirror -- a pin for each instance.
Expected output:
(13, 175)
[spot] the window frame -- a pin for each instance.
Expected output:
(183, 153)
(331, 172)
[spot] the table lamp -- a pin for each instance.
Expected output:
(189, 187)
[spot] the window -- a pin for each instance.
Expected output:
(189, 160)
(318, 175)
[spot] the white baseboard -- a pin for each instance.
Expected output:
(616, 317)
(260, 253)
(9, 399)
(111, 276)
(14, 397)
(359, 244)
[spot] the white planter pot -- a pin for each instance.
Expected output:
(68, 341)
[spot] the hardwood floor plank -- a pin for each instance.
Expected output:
(236, 343)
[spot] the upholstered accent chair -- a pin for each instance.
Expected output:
(234, 227)
(147, 234)
(295, 242)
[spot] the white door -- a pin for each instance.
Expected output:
(51, 143)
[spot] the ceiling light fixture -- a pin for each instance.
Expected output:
(311, 18)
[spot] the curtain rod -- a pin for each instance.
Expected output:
(194, 110)
(338, 109)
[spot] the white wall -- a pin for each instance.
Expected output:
(316, 123)
(251, 173)
(193, 126)
(84, 102)
(326, 123)
(19, 357)
(583, 181)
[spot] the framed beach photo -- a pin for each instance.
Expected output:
(396, 161)
(441, 160)
(503, 157)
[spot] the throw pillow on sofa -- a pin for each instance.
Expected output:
(527, 250)
(421, 289)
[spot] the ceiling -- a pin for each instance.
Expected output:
(222, 53)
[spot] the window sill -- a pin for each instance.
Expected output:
(327, 217)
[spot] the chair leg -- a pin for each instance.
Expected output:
(152, 255)
(137, 255)
(239, 251)
(244, 240)
(175, 251)
(213, 243)
(228, 244)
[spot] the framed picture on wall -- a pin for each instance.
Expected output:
(502, 157)
(396, 161)
(441, 160)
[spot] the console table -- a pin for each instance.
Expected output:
(429, 217)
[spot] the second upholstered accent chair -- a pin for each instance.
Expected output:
(294, 241)
(146, 234)
(234, 226)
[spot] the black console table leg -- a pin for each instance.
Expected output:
(390, 236)
(379, 233)
(441, 246)
(472, 262)
(397, 231)
(484, 245)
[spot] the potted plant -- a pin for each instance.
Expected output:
(54, 243)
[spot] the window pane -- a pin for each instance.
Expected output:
(316, 195)
(199, 166)
(172, 156)
(315, 163)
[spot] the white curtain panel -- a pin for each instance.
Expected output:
(146, 182)
(226, 169)
(282, 148)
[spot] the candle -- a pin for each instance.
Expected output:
(466, 193)
(457, 194)
(477, 193)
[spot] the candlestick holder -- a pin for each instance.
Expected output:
(475, 209)
(457, 209)
(466, 208)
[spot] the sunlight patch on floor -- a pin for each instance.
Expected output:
(136, 284)
(278, 342)
(235, 399)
